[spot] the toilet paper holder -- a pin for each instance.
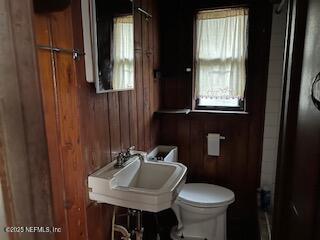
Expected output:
(221, 137)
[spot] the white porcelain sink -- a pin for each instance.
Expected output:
(142, 185)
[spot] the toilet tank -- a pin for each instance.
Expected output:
(164, 153)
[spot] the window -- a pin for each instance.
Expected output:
(123, 53)
(220, 58)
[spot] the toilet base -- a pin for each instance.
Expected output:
(175, 235)
(210, 229)
(201, 211)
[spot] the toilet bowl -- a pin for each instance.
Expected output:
(201, 212)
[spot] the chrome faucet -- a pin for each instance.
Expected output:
(123, 157)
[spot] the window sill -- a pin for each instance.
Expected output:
(220, 112)
(197, 111)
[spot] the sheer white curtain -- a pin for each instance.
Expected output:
(221, 53)
(123, 53)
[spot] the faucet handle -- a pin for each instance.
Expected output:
(120, 160)
(128, 152)
(131, 148)
(121, 157)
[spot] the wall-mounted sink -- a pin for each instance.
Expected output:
(142, 185)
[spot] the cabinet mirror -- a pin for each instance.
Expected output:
(108, 29)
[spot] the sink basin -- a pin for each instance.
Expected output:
(142, 185)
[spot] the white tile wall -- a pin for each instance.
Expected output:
(273, 106)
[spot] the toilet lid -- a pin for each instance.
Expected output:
(205, 195)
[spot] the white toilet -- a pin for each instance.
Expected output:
(201, 212)
(201, 209)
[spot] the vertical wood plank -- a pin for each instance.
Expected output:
(114, 121)
(47, 75)
(210, 163)
(145, 75)
(133, 117)
(124, 120)
(197, 137)
(139, 100)
(183, 143)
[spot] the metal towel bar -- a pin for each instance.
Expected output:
(76, 53)
(147, 15)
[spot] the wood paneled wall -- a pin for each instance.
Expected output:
(238, 167)
(86, 130)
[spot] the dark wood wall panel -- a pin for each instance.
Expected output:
(230, 169)
(114, 123)
(139, 100)
(155, 59)
(86, 130)
(190, 135)
(133, 123)
(124, 119)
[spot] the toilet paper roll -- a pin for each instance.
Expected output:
(213, 144)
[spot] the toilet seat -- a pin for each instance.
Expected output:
(205, 195)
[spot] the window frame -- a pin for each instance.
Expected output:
(242, 104)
